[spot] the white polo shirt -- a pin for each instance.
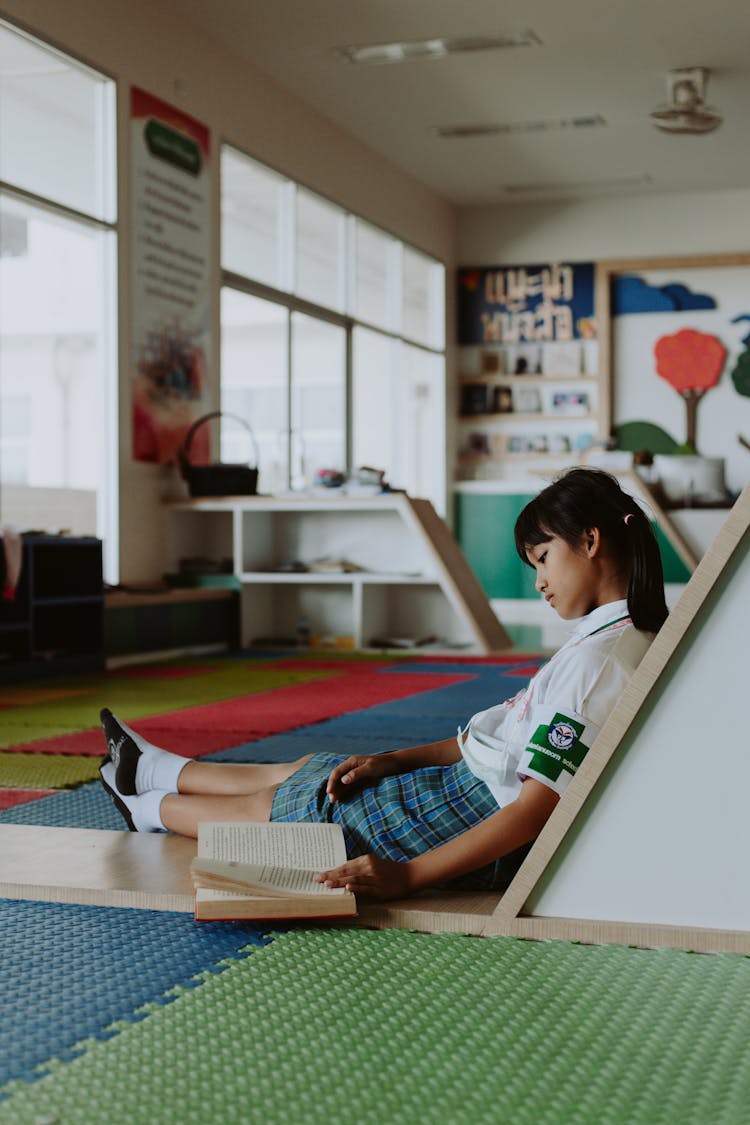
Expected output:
(546, 730)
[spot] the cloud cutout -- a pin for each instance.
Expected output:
(631, 294)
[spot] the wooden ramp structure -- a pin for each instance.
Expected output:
(647, 847)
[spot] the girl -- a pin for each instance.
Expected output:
(450, 813)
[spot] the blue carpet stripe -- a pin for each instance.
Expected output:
(70, 973)
(88, 806)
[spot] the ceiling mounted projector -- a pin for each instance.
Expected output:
(686, 111)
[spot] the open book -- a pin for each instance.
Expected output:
(251, 870)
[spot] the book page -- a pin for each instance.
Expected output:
(280, 856)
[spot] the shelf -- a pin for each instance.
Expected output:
(343, 578)
(509, 380)
(513, 416)
(434, 591)
(76, 599)
(55, 624)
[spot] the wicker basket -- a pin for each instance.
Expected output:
(220, 479)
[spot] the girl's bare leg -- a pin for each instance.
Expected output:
(182, 813)
(232, 779)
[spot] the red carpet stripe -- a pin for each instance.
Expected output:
(216, 726)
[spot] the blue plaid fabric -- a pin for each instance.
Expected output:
(399, 818)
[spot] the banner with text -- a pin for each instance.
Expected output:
(171, 242)
(526, 304)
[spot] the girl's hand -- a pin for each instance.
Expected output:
(371, 877)
(354, 774)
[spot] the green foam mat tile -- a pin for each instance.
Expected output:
(19, 770)
(353, 1026)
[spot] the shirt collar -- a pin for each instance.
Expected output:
(600, 618)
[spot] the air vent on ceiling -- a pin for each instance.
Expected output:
(686, 110)
(437, 48)
(577, 185)
(551, 125)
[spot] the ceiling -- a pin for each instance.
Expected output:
(597, 57)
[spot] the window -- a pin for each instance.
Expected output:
(333, 337)
(57, 284)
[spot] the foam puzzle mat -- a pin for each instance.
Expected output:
(147, 1016)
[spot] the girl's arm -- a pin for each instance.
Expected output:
(501, 833)
(358, 772)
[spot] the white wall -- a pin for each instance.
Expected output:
(141, 43)
(586, 230)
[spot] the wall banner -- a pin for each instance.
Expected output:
(171, 242)
(526, 304)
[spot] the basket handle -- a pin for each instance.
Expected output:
(184, 454)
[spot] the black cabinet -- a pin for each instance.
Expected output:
(55, 624)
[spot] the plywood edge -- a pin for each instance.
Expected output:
(433, 913)
(98, 896)
(624, 713)
(644, 935)
(459, 581)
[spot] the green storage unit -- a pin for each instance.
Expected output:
(484, 524)
(484, 529)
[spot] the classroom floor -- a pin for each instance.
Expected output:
(118, 1014)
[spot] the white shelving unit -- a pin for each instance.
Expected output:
(414, 580)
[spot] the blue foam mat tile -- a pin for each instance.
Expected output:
(467, 669)
(401, 730)
(68, 973)
(87, 806)
(454, 700)
(288, 747)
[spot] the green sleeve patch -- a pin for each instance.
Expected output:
(557, 746)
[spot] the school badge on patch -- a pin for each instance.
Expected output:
(561, 735)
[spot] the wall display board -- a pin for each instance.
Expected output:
(530, 392)
(171, 283)
(679, 340)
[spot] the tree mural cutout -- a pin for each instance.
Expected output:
(741, 371)
(692, 363)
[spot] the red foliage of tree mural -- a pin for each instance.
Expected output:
(692, 363)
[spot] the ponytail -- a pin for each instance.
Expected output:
(584, 498)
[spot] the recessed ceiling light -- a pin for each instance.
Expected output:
(436, 48)
(576, 185)
(550, 125)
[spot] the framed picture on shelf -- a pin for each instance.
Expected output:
(573, 404)
(474, 398)
(502, 400)
(526, 359)
(477, 444)
(560, 443)
(527, 400)
(493, 361)
(562, 358)
(528, 443)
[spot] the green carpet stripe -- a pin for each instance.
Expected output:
(138, 698)
(46, 771)
(357, 1026)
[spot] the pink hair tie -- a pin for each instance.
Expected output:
(627, 518)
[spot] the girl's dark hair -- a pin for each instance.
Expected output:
(581, 499)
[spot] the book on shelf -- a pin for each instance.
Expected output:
(254, 870)
(474, 398)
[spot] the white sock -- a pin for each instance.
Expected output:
(140, 766)
(142, 813)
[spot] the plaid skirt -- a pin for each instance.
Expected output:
(399, 818)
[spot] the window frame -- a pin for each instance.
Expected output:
(108, 521)
(347, 320)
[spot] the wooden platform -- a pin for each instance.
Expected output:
(151, 871)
